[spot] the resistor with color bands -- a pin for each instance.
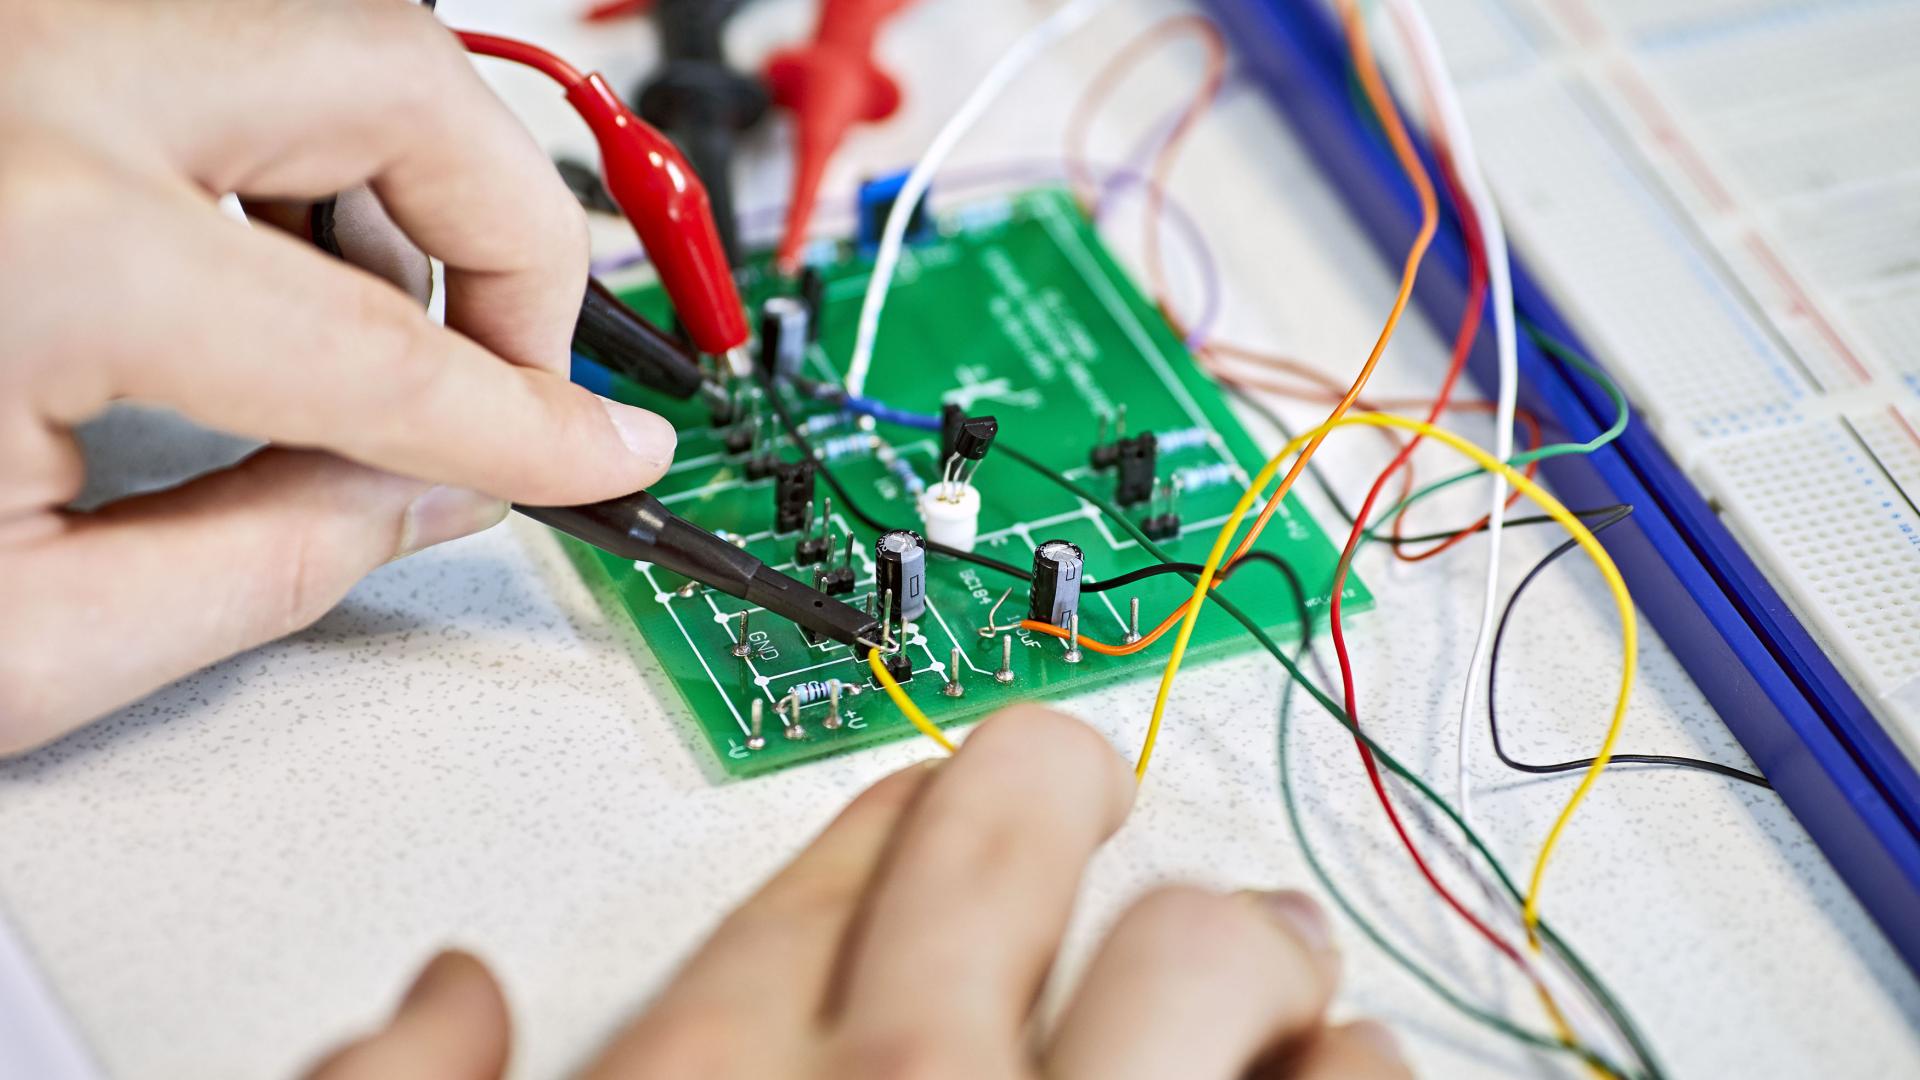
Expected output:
(1182, 439)
(811, 693)
(1206, 476)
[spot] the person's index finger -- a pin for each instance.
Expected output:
(976, 891)
(254, 333)
(317, 98)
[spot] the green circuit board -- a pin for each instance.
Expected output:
(1014, 309)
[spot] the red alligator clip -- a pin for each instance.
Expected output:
(831, 84)
(658, 192)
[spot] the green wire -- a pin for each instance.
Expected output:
(1420, 974)
(1565, 354)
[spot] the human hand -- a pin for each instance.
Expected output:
(120, 124)
(912, 939)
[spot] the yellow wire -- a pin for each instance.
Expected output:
(900, 698)
(1629, 637)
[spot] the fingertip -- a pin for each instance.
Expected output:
(1068, 743)
(453, 1021)
(454, 978)
(647, 436)
(1300, 916)
(1377, 1037)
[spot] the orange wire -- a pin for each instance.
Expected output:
(1396, 132)
(1209, 354)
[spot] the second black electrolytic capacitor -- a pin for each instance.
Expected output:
(1055, 594)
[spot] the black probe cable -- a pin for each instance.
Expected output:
(1493, 682)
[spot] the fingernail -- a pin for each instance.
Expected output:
(444, 513)
(648, 437)
(1300, 914)
(1378, 1036)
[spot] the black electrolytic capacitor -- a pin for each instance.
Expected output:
(900, 572)
(1055, 593)
(783, 336)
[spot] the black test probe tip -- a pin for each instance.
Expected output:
(700, 101)
(641, 528)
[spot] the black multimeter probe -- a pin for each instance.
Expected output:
(640, 527)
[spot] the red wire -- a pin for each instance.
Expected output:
(1532, 426)
(520, 52)
(1463, 347)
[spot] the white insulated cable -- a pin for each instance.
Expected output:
(1042, 36)
(1453, 122)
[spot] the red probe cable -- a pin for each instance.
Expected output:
(610, 10)
(658, 192)
(830, 84)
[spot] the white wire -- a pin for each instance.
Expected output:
(1418, 31)
(1453, 121)
(1037, 40)
(1582, 1013)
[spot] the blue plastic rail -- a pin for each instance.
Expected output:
(1828, 757)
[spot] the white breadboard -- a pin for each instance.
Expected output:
(1724, 196)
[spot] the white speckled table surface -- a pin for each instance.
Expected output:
(228, 877)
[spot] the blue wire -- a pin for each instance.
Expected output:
(592, 376)
(888, 414)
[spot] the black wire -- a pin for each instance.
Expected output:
(1298, 678)
(1535, 519)
(1493, 682)
(1266, 413)
(1157, 569)
(1192, 570)
(1274, 420)
(846, 500)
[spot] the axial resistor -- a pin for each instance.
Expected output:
(1206, 476)
(901, 469)
(822, 422)
(809, 693)
(843, 446)
(1182, 439)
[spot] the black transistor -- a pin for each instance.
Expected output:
(1105, 454)
(744, 436)
(837, 580)
(1163, 513)
(815, 549)
(951, 417)
(899, 665)
(964, 442)
(1137, 461)
(793, 494)
(1161, 526)
(749, 437)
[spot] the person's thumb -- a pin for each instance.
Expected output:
(452, 1025)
